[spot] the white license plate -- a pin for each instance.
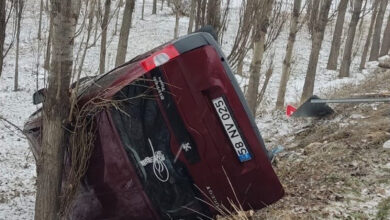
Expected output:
(231, 129)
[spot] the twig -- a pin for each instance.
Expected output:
(13, 125)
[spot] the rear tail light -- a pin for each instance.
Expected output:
(159, 58)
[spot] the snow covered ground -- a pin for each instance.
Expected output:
(17, 166)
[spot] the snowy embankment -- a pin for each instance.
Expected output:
(17, 166)
(337, 167)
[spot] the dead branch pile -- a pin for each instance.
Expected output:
(82, 139)
(80, 148)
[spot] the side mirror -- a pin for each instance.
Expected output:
(39, 96)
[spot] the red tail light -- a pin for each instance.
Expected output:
(159, 58)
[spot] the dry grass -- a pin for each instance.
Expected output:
(233, 211)
(384, 209)
(337, 162)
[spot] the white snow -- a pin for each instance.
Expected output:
(386, 145)
(17, 166)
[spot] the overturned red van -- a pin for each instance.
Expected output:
(183, 144)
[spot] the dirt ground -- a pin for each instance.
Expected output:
(337, 167)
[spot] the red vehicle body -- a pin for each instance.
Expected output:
(183, 145)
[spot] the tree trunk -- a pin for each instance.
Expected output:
(361, 20)
(176, 31)
(376, 38)
(240, 67)
(40, 20)
(47, 6)
(248, 14)
(143, 10)
(154, 7)
(346, 63)
(124, 34)
(89, 30)
(96, 29)
(313, 7)
(289, 50)
(55, 113)
(2, 33)
(204, 6)
(48, 46)
(214, 15)
(117, 20)
(91, 16)
(198, 14)
(255, 69)
(386, 39)
(19, 11)
(261, 26)
(369, 35)
(268, 75)
(103, 44)
(192, 16)
(338, 31)
(318, 36)
(177, 6)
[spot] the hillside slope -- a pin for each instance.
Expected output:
(17, 166)
(337, 167)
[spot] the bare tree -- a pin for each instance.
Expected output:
(346, 63)
(119, 5)
(124, 34)
(103, 43)
(82, 46)
(177, 9)
(386, 39)
(376, 37)
(90, 25)
(338, 31)
(198, 14)
(317, 38)
(243, 36)
(268, 75)
(12, 36)
(224, 18)
(143, 10)
(162, 5)
(364, 12)
(286, 69)
(47, 6)
(55, 113)
(214, 15)
(2, 33)
(204, 7)
(154, 7)
(192, 16)
(263, 9)
(40, 20)
(46, 64)
(312, 14)
(369, 35)
(278, 18)
(18, 13)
